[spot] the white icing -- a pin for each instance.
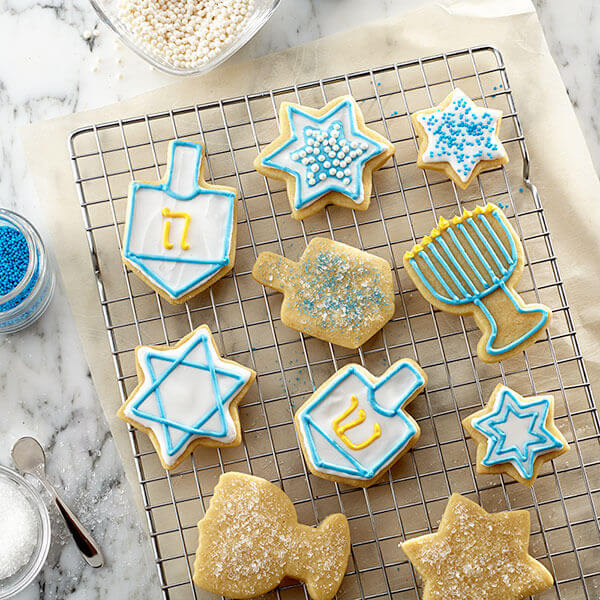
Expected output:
(209, 234)
(295, 158)
(187, 393)
(390, 396)
(466, 150)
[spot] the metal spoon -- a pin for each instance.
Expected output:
(29, 457)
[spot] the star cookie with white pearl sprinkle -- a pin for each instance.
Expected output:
(515, 435)
(459, 138)
(325, 156)
(476, 555)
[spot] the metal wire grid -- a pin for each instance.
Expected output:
(405, 205)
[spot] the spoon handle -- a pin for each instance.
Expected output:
(83, 538)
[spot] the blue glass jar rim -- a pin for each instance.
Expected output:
(36, 258)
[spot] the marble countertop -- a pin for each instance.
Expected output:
(45, 385)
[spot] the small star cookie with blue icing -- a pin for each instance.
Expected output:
(187, 396)
(325, 156)
(459, 138)
(515, 435)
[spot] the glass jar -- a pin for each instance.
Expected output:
(26, 273)
(28, 572)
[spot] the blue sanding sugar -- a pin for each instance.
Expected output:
(14, 260)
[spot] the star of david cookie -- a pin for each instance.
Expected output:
(325, 156)
(459, 138)
(250, 539)
(354, 427)
(515, 435)
(335, 292)
(187, 396)
(180, 232)
(477, 555)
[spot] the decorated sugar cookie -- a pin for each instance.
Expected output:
(469, 266)
(325, 156)
(180, 232)
(187, 396)
(515, 435)
(354, 427)
(335, 293)
(459, 138)
(250, 539)
(477, 555)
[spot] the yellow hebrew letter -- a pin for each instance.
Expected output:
(167, 228)
(341, 429)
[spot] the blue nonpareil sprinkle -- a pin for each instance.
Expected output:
(14, 261)
(14, 258)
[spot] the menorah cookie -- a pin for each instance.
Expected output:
(459, 138)
(469, 266)
(325, 156)
(250, 539)
(180, 232)
(477, 555)
(354, 427)
(335, 293)
(187, 396)
(515, 435)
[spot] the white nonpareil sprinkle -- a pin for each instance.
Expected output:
(185, 33)
(18, 529)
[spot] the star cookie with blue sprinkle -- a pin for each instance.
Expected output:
(187, 396)
(325, 156)
(515, 435)
(459, 138)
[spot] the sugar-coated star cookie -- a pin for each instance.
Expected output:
(180, 232)
(250, 539)
(187, 396)
(354, 427)
(335, 292)
(325, 156)
(470, 266)
(515, 435)
(459, 138)
(476, 555)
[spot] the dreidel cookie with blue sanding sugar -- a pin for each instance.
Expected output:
(335, 292)
(515, 435)
(355, 426)
(180, 232)
(469, 266)
(325, 156)
(250, 539)
(187, 396)
(459, 138)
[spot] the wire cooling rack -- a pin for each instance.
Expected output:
(244, 316)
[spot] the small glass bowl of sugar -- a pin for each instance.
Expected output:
(24, 533)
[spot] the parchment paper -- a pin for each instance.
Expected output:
(561, 165)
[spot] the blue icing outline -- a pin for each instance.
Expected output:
(490, 426)
(300, 202)
(200, 337)
(138, 258)
(499, 279)
(307, 423)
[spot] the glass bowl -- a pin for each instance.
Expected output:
(108, 11)
(27, 573)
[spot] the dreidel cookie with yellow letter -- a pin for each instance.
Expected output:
(180, 232)
(354, 427)
(469, 266)
(335, 292)
(250, 539)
